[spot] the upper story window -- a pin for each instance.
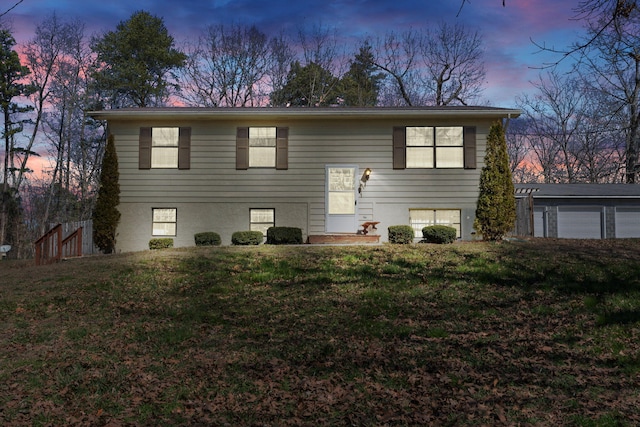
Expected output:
(434, 147)
(164, 148)
(439, 147)
(262, 147)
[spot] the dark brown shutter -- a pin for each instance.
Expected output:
(399, 148)
(144, 149)
(469, 141)
(242, 148)
(282, 148)
(184, 148)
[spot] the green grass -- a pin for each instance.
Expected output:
(542, 332)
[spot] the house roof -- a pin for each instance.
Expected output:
(195, 113)
(579, 191)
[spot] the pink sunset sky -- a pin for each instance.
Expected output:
(512, 60)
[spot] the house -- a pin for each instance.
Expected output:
(323, 170)
(579, 211)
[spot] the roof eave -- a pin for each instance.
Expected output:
(301, 113)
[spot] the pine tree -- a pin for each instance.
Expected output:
(106, 215)
(496, 209)
(360, 86)
(136, 61)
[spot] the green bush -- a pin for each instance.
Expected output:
(284, 236)
(496, 208)
(161, 243)
(106, 215)
(439, 234)
(247, 238)
(402, 234)
(207, 238)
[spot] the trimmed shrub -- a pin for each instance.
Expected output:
(247, 238)
(439, 234)
(207, 238)
(284, 236)
(401, 234)
(161, 243)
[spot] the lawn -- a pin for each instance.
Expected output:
(545, 332)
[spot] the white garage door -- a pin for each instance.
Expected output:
(628, 222)
(580, 222)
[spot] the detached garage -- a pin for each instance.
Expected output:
(578, 211)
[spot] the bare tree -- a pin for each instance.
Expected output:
(282, 56)
(323, 60)
(518, 149)
(227, 68)
(613, 62)
(454, 68)
(439, 67)
(397, 55)
(544, 152)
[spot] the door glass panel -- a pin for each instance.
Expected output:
(342, 191)
(342, 203)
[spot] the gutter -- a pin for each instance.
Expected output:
(302, 113)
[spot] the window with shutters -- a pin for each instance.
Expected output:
(164, 148)
(262, 147)
(434, 147)
(429, 147)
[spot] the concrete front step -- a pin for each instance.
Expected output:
(344, 239)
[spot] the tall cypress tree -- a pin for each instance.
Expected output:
(106, 215)
(496, 209)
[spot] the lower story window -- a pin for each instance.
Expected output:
(164, 221)
(421, 218)
(262, 219)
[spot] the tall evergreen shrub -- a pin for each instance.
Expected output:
(496, 209)
(106, 215)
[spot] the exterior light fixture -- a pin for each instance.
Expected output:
(364, 179)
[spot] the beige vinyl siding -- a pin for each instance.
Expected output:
(213, 189)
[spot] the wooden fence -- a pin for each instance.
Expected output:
(524, 216)
(71, 239)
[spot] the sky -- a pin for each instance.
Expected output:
(512, 60)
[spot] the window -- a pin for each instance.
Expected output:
(420, 218)
(164, 222)
(164, 148)
(430, 147)
(262, 219)
(262, 147)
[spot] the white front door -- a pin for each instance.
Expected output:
(341, 204)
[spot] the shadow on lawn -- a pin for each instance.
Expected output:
(599, 270)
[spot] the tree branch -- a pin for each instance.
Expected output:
(11, 8)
